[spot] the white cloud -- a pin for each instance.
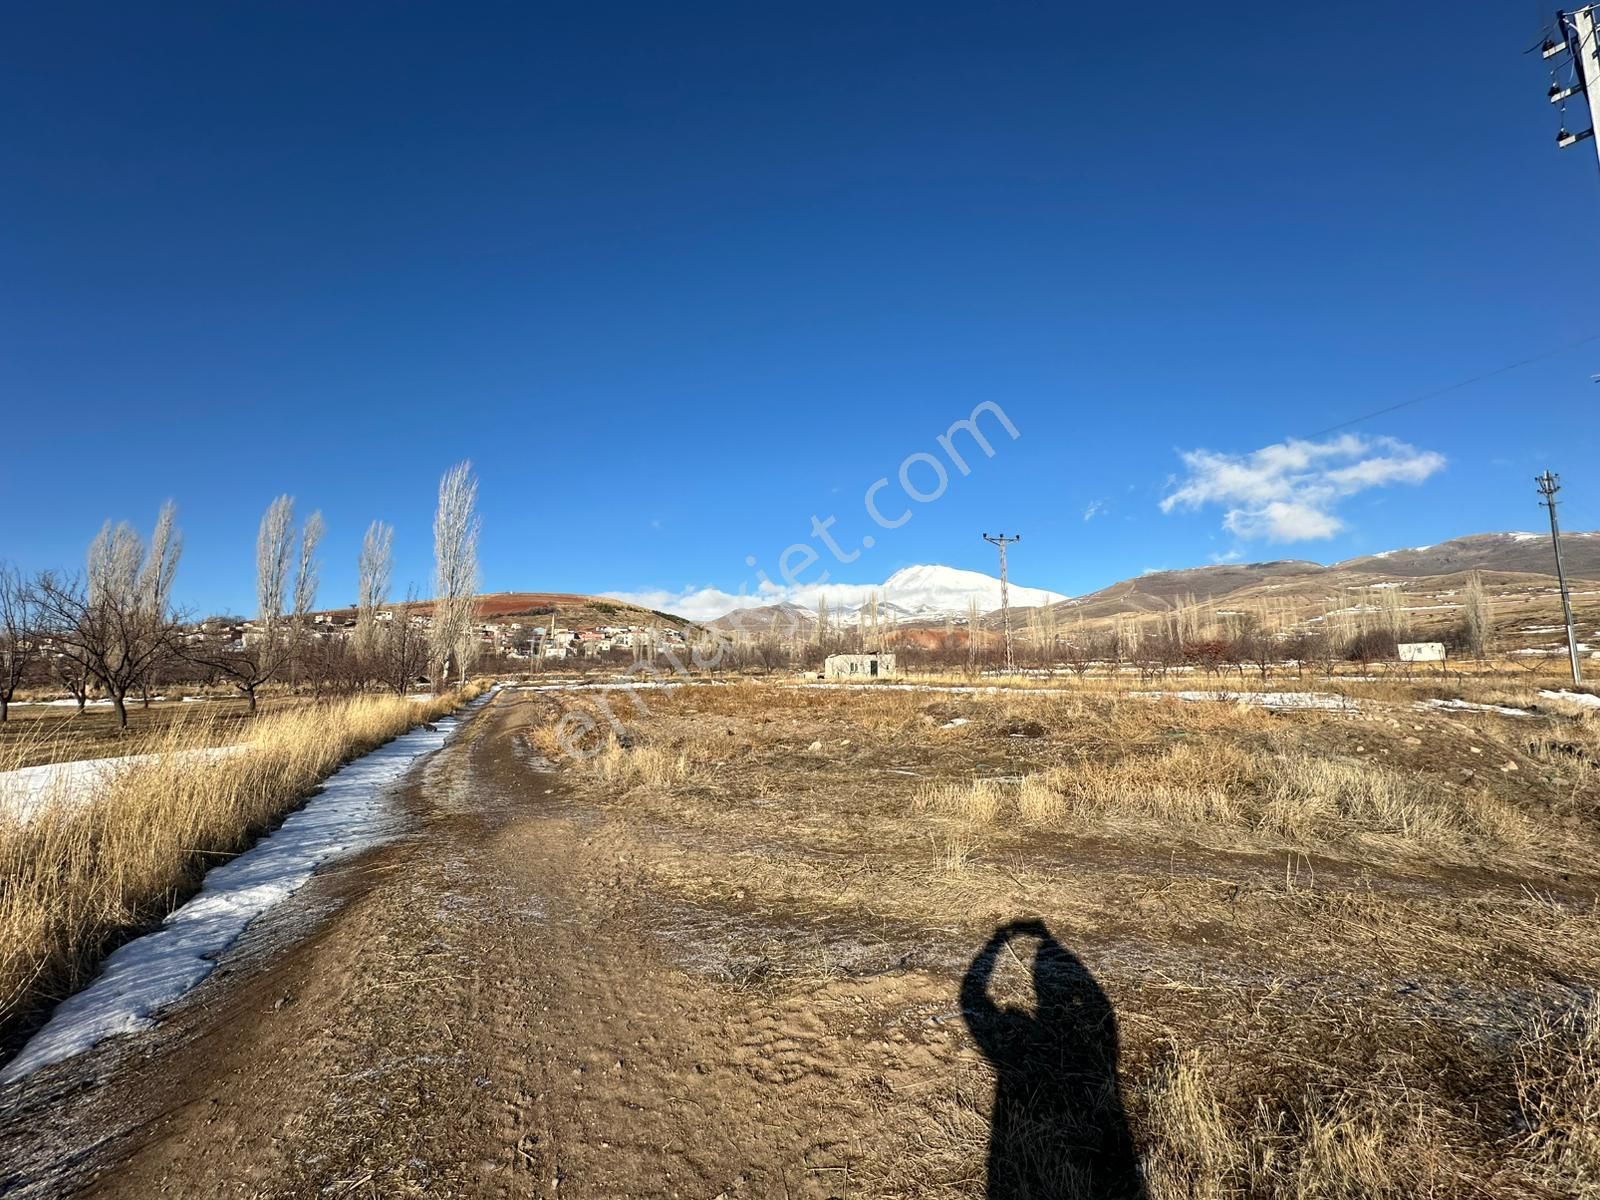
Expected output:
(1230, 556)
(1287, 492)
(1095, 506)
(698, 604)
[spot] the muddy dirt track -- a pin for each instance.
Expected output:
(492, 1006)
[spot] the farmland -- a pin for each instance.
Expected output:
(783, 939)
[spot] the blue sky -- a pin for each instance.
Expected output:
(680, 279)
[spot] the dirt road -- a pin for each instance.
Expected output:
(494, 1006)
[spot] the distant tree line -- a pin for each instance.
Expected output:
(113, 629)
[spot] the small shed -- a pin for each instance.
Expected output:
(858, 666)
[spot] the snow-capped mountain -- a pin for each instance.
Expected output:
(913, 593)
(930, 591)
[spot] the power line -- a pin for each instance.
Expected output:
(1458, 385)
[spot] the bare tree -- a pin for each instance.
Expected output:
(118, 623)
(1079, 651)
(266, 649)
(309, 572)
(19, 634)
(972, 635)
(274, 553)
(1255, 644)
(1477, 615)
(73, 675)
(306, 577)
(455, 549)
(1391, 618)
(403, 652)
(373, 570)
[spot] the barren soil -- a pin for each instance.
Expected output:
(495, 1007)
(748, 982)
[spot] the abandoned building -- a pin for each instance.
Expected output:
(858, 666)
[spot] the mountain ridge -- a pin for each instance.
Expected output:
(1512, 553)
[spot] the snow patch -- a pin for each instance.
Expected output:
(1468, 706)
(1260, 699)
(1583, 698)
(148, 975)
(25, 791)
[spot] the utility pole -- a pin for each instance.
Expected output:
(1576, 43)
(1549, 485)
(1003, 541)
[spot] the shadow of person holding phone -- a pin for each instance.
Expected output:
(1058, 1130)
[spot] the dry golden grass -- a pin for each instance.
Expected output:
(55, 734)
(1334, 1137)
(646, 765)
(1283, 797)
(1309, 923)
(1558, 1093)
(980, 802)
(83, 872)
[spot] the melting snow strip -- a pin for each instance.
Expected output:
(151, 973)
(1261, 699)
(1468, 706)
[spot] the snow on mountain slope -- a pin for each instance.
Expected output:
(929, 590)
(912, 593)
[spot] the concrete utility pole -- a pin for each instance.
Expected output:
(1549, 485)
(1576, 43)
(1003, 541)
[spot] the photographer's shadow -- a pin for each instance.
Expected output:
(1058, 1130)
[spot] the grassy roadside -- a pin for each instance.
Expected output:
(83, 874)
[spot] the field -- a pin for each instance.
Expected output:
(45, 733)
(778, 938)
(1304, 953)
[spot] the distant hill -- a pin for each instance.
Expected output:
(1505, 555)
(571, 609)
(1523, 553)
(783, 619)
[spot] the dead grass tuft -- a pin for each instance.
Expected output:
(1558, 1093)
(979, 803)
(649, 766)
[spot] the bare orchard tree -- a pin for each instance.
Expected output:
(71, 674)
(373, 570)
(455, 550)
(403, 651)
(19, 634)
(1254, 643)
(118, 623)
